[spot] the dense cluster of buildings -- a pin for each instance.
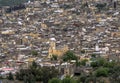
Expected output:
(52, 27)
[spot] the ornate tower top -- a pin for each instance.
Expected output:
(52, 39)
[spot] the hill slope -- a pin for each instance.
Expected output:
(11, 2)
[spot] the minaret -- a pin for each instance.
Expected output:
(97, 47)
(52, 43)
(52, 47)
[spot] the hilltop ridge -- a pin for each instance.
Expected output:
(11, 2)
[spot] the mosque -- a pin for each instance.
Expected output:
(53, 50)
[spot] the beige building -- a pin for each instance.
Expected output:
(56, 51)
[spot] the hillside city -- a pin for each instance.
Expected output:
(60, 41)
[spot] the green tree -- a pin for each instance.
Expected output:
(82, 78)
(102, 72)
(83, 62)
(94, 64)
(90, 79)
(54, 57)
(78, 63)
(25, 79)
(49, 73)
(69, 80)
(109, 64)
(99, 62)
(101, 6)
(36, 73)
(10, 76)
(34, 64)
(115, 73)
(68, 56)
(84, 5)
(31, 79)
(93, 55)
(34, 53)
(17, 75)
(54, 80)
(83, 51)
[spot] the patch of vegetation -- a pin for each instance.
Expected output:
(11, 2)
(37, 73)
